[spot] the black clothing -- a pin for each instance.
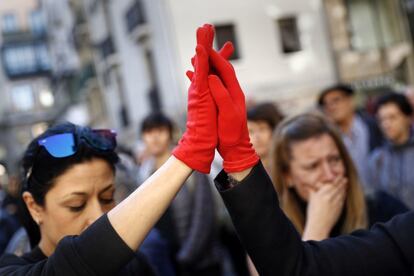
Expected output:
(381, 207)
(97, 251)
(276, 248)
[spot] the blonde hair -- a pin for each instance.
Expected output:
(299, 128)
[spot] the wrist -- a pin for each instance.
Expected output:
(199, 160)
(313, 232)
(239, 161)
(240, 176)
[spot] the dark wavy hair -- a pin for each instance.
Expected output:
(399, 100)
(40, 170)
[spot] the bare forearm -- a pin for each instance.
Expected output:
(315, 233)
(133, 218)
(252, 268)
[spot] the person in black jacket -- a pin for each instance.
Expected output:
(271, 240)
(276, 248)
(68, 184)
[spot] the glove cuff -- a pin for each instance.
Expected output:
(192, 159)
(242, 163)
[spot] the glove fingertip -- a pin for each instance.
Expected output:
(190, 74)
(227, 50)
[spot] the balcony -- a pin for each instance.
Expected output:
(25, 60)
(24, 35)
(358, 65)
(12, 32)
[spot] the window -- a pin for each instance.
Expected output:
(226, 33)
(135, 16)
(153, 93)
(9, 23)
(374, 24)
(22, 97)
(42, 57)
(107, 47)
(20, 59)
(37, 24)
(26, 59)
(289, 35)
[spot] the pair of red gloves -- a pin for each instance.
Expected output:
(216, 111)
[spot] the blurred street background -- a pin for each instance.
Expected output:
(108, 63)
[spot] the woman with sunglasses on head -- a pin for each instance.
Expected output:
(69, 183)
(68, 192)
(271, 240)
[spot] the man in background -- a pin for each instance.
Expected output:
(359, 131)
(391, 166)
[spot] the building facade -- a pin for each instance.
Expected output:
(134, 62)
(33, 76)
(371, 42)
(283, 51)
(142, 49)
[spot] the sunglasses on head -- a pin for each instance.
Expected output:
(66, 144)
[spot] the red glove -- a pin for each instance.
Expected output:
(196, 147)
(233, 137)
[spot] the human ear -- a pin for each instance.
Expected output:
(35, 210)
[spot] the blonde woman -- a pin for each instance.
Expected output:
(317, 182)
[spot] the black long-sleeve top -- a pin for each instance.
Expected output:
(276, 248)
(99, 250)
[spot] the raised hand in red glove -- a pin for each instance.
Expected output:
(196, 147)
(233, 137)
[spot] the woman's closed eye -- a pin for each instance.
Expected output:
(107, 200)
(311, 166)
(77, 208)
(335, 159)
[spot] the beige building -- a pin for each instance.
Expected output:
(19, 10)
(371, 42)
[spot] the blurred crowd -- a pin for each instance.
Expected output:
(336, 169)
